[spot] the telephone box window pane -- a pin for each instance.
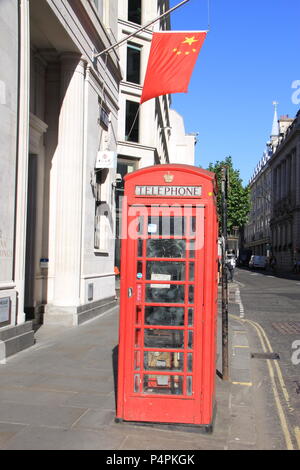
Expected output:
(189, 386)
(192, 271)
(137, 382)
(192, 249)
(163, 384)
(191, 294)
(166, 248)
(191, 317)
(173, 295)
(137, 360)
(140, 248)
(158, 360)
(139, 270)
(137, 340)
(165, 271)
(140, 227)
(193, 226)
(164, 339)
(138, 315)
(166, 226)
(171, 316)
(190, 339)
(190, 362)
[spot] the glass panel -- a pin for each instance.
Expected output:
(193, 226)
(191, 294)
(191, 317)
(138, 315)
(133, 63)
(137, 339)
(165, 270)
(189, 386)
(190, 362)
(166, 226)
(192, 271)
(137, 382)
(166, 248)
(140, 248)
(140, 227)
(190, 340)
(192, 248)
(163, 384)
(132, 121)
(172, 295)
(137, 360)
(135, 11)
(172, 316)
(163, 360)
(139, 270)
(164, 339)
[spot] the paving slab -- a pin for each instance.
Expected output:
(62, 395)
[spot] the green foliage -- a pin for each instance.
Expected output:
(238, 200)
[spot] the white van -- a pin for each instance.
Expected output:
(257, 261)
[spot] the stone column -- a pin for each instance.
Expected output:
(23, 149)
(69, 189)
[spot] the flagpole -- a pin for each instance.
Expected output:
(117, 44)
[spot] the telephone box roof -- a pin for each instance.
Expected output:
(174, 167)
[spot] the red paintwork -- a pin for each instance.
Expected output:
(135, 405)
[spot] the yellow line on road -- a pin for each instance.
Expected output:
(297, 434)
(279, 373)
(280, 410)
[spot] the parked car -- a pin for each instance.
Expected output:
(257, 261)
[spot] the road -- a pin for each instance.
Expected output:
(269, 307)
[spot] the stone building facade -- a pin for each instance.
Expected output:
(274, 220)
(285, 217)
(64, 109)
(151, 133)
(59, 109)
(257, 232)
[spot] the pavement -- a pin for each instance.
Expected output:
(60, 395)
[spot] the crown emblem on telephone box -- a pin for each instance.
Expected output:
(168, 177)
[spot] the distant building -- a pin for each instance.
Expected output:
(285, 216)
(182, 145)
(257, 233)
(274, 220)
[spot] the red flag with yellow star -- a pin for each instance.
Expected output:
(171, 62)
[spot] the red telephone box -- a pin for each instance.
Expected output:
(167, 337)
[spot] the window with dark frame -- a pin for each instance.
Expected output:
(135, 11)
(133, 63)
(132, 121)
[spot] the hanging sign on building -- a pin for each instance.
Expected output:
(106, 159)
(4, 311)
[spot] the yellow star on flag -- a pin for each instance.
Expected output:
(190, 41)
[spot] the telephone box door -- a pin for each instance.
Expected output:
(163, 327)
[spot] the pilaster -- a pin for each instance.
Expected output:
(23, 149)
(69, 183)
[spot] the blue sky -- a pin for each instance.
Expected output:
(249, 59)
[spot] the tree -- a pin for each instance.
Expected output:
(238, 200)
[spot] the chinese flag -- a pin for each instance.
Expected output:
(171, 62)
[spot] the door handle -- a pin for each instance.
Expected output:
(130, 292)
